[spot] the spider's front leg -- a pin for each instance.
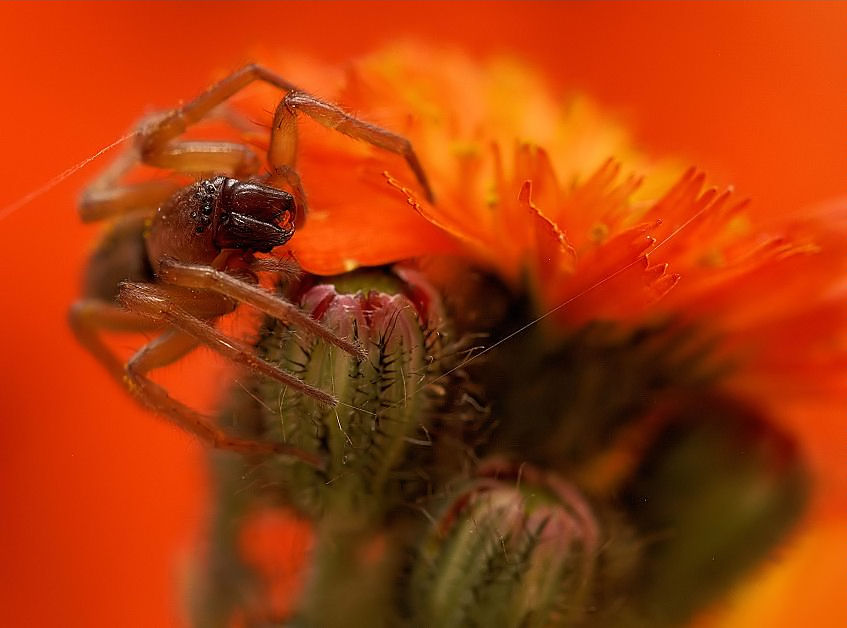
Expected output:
(172, 305)
(208, 278)
(169, 305)
(282, 152)
(157, 143)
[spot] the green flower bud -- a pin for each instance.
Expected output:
(382, 400)
(508, 553)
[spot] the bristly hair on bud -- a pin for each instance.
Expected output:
(383, 405)
(516, 551)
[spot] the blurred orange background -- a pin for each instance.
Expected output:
(102, 504)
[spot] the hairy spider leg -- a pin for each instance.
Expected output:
(203, 277)
(89, 317)
(170, 304)
(155, 145)
(107, 198)
(150, 307)
(282, 151)
(156, 136)
(166, 349)
(121, 255)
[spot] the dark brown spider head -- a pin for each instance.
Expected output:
(248, 215)
(201, 220)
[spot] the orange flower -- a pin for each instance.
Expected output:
(550, 192)
(748, 89)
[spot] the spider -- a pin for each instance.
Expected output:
(174, 260)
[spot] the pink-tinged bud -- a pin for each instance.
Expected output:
(383, 402)
(514, 551)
